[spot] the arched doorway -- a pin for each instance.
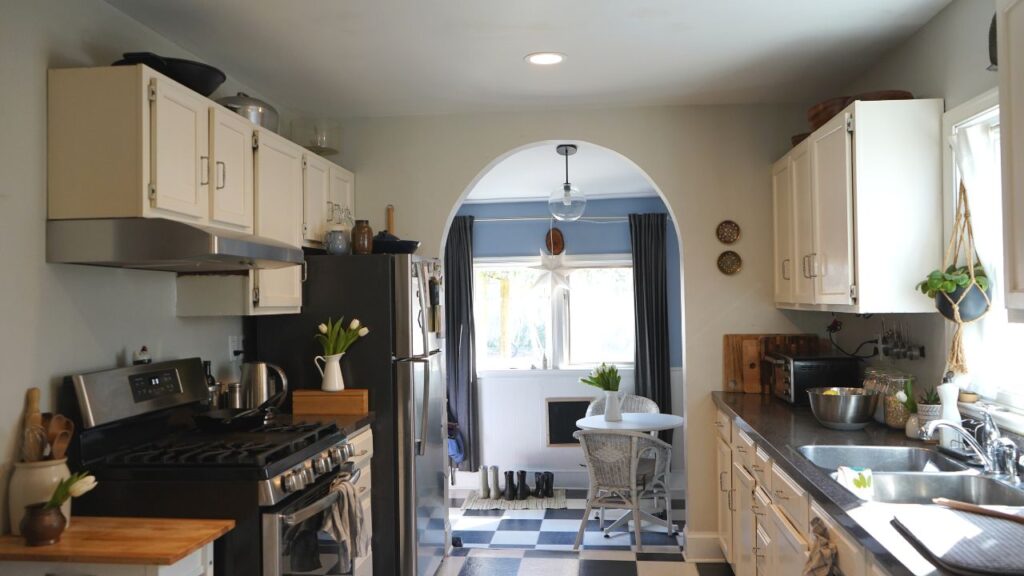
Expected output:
(482, 199)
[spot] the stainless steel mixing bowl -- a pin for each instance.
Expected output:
(844, 409)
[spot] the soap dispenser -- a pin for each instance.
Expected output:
(949, 394)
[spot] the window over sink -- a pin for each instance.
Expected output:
(575, 313)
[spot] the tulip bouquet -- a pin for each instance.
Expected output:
(604, 377)
(71, 487)
(336, 339)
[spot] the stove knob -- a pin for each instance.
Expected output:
(307, 474)
(291, 482)
(337, 455)
(322, 464)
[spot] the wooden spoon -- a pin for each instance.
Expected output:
(60, 444)
(975, 509)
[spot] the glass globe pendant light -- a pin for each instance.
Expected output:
(566, 203)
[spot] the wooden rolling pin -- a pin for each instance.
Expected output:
(975, 509)
(389, 217)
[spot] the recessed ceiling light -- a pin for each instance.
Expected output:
(545, 58)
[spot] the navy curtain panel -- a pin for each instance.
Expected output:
(459, 331)
(650, 302)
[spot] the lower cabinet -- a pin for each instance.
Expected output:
(257, 292)
(725, 507)
(789, 545)
(744, 528)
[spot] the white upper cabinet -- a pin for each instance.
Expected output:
(343, 192)
(179, 173)
(278, 188)
(231, 170)
(318, 210)
(860, 216)
(1010, 22)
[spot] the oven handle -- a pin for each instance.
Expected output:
(321, 504)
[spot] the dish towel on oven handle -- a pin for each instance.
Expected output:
(344, 523)
(822, 560)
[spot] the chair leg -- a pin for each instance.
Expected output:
(637, 524)
(583, 527)
(600, 518)
(669, 528)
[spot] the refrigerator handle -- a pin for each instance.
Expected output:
(421, 441)
(424, 321)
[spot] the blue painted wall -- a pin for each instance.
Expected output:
(495, 239)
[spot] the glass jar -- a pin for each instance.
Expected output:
(896, 412)
(362, 238)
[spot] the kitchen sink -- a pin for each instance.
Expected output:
(921, 488)
(880, 458)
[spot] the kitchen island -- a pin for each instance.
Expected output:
(120, 547)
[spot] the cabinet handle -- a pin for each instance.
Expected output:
(222, 174)
(721, 478)
(803, 265)
(731, 508)
(785, 269)
(781, 495)
(330, 211)
(741, 449)
(756, 550)
(204, 170)
(756, 468)
(813, 259)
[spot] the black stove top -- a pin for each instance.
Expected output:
(265, 445)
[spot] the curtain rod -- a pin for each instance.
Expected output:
(595, 219)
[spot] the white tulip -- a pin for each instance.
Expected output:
(322, 328)
(354, 324)
(82, 486)
(901, 396)
(363, 331)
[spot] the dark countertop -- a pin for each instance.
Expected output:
(348, 423)
(779, 429)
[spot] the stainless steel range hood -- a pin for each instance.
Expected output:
(159, 244)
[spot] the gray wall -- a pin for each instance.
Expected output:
(57, 319)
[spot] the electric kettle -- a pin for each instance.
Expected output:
(256, 387)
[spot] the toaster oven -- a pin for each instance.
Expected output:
(791, 376)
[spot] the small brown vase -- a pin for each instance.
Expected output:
(362, 238)
(42, 526)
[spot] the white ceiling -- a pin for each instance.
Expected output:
(533, 173)
(344, 58)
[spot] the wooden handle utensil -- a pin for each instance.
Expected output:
(33, 446)
(389, 217)
(975, 509)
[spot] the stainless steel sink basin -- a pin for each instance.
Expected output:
(921, 488)
(880, 458)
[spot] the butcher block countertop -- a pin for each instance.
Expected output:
(139, 541)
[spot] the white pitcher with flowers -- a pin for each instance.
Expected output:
(336, 339)
(606, 377)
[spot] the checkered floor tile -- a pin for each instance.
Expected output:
(524, 542)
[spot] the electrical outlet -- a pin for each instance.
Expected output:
(235, 346)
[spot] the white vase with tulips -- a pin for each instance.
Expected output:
(336, 340)
(607, 378)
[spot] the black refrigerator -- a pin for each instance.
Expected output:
(400, 362)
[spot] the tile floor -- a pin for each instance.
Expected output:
(539, 542)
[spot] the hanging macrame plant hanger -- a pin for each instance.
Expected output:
(962, 241)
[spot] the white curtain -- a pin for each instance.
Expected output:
(988, 341)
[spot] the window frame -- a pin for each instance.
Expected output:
(558, 352)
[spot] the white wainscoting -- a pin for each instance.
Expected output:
(513, 426)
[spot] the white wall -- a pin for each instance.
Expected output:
(57, 319)
(513, 425)
(711, 163)
(947, 59)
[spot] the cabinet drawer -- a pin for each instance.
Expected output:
(761, 466)
(722, 423)
(762, 504)
(791, 498)
(361, 444)
(744, 447)
(851, 556)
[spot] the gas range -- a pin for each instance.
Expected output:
(151, 458)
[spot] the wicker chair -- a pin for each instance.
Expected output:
(615, 462)
(630, 403)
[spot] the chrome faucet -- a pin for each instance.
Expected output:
(929, 429)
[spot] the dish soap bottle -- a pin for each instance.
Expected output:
(949, 394)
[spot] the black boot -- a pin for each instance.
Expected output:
(510, 486)
(524, 490)
(538, 484)
(549, 485)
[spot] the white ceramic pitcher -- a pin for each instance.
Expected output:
(330, 372)
(612, 406)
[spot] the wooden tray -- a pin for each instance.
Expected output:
(351, 401)
(742, 355)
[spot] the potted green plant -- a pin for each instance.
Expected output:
(929, 407)
(607, 378)
(954, 285)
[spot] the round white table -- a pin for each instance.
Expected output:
(635, 421)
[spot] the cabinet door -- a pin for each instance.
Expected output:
(278, 189)
(782, 192)
(831, 263)
(277, 289)
(1011, 111)
(763, 553)
(179, 149)
(789, 546)
(318, 210)
(231, 170)
(725, 507)
(343, 192)
(762, 560)
(743, 522)
(803, 226)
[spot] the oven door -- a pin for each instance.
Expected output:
(293, 542)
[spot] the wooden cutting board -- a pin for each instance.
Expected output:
(742, 355)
